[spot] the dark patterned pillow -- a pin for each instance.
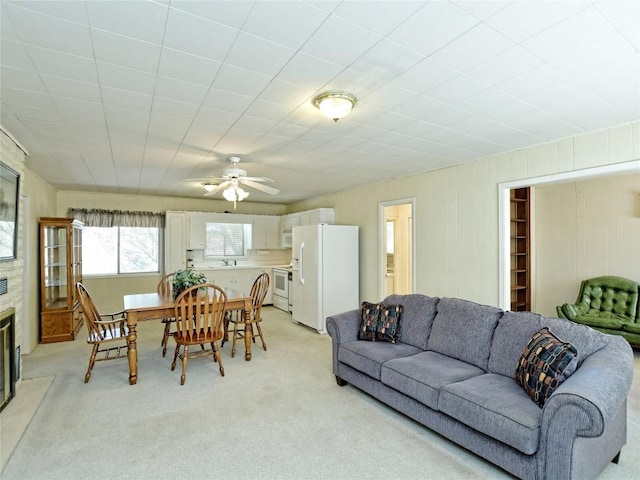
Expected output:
(389, 326)
(545, 363)
(370, 312)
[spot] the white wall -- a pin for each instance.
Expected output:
(456, 216)
(584, 230)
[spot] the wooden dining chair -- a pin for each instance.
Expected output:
(258, 293)
(107, 333)
(165, 288)
(199, 314)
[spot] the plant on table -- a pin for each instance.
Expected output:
(183, 279)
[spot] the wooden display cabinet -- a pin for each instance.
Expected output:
(60, 269)
(520, 250)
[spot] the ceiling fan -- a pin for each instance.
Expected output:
(234, 177)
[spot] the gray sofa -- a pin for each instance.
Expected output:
(453, 370)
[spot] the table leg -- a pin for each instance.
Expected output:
(132, 349)
(246, 315)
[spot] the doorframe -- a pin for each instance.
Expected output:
(382, 246)
(504, 192)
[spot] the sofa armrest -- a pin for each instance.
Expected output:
(342, 328)
(571, 311)
(584, 405)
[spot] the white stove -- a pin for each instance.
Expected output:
(282, 276)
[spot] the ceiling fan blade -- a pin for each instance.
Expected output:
(257, 179)
(218, 188)
(205, 179)
(259, 186)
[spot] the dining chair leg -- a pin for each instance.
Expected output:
(165, 338)
(92, 361)
(218, 358)
(264, 345)
(175, 357)
(185, 360)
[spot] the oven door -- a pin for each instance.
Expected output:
(281, 283)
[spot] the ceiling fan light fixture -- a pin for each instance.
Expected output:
(209, 186)
(335, 105)
(234, 194)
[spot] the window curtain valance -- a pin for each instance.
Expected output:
(116, 218)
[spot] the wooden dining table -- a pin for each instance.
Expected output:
(153, 306)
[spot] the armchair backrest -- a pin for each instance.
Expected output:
(610, 294)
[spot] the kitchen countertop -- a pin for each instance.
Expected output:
(238, 267)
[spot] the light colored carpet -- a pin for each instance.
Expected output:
(280, 416)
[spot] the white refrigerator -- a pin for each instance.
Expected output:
(325, 273)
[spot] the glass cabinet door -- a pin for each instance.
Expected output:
(55, 267)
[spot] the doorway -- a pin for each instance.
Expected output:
(396, 234)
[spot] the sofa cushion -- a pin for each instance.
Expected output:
(369, 314)
(496, 406)
(417, 317)
(368, 357)
(515, 329)
(544, 365)
(463, 330)
(422, 375)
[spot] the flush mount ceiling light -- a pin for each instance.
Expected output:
(335, 105)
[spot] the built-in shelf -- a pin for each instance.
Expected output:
(520, 249)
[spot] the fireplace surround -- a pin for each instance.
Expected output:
(7, 358)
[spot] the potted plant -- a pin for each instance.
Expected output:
(183, 279)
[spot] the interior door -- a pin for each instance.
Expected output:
(396, 247)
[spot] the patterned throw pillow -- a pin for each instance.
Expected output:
(545, 363)
(370, 312)
(379, 322)
(389, 327)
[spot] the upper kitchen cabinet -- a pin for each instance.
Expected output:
(319, 215)
(265, 232)
(175, 241)
(197, 230)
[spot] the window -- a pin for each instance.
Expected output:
(114, 250)
(226, 240)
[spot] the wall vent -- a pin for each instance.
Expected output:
(3, 285)
(17, 377)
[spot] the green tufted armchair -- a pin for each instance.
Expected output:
(608, 304)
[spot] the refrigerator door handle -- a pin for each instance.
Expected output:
(301, 262)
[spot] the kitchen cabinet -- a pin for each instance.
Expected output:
(265, 232)
(308, 217)
(240, 279)
(197, 230)
(60, 269)
(175, 241)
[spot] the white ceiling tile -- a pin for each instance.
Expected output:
(286, 23)
(340, 42)
(127, 79)
(309, 70)
(568, 35)
(472, 48)
(621, 13)
(456, 89)
(60, 64)
(286, 93)
(65, 87)
(481, 10)
(433, 26)
(424, 76)
(632, 35)
(50, 32)
(198, 36)
(241, 81)
(125, 51)
(381, 17)
(23, 80)
(177, 108)
(180, 91)
(521, 20)
(505, 65)
(126, 99)
(73, 105)
(386, 60)
(66, 10)
(187, 67)
(216, 116)
(227, 101)
(123, 18)
(253, 53)
(269, 110)
(13, 54)
(230, 12)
